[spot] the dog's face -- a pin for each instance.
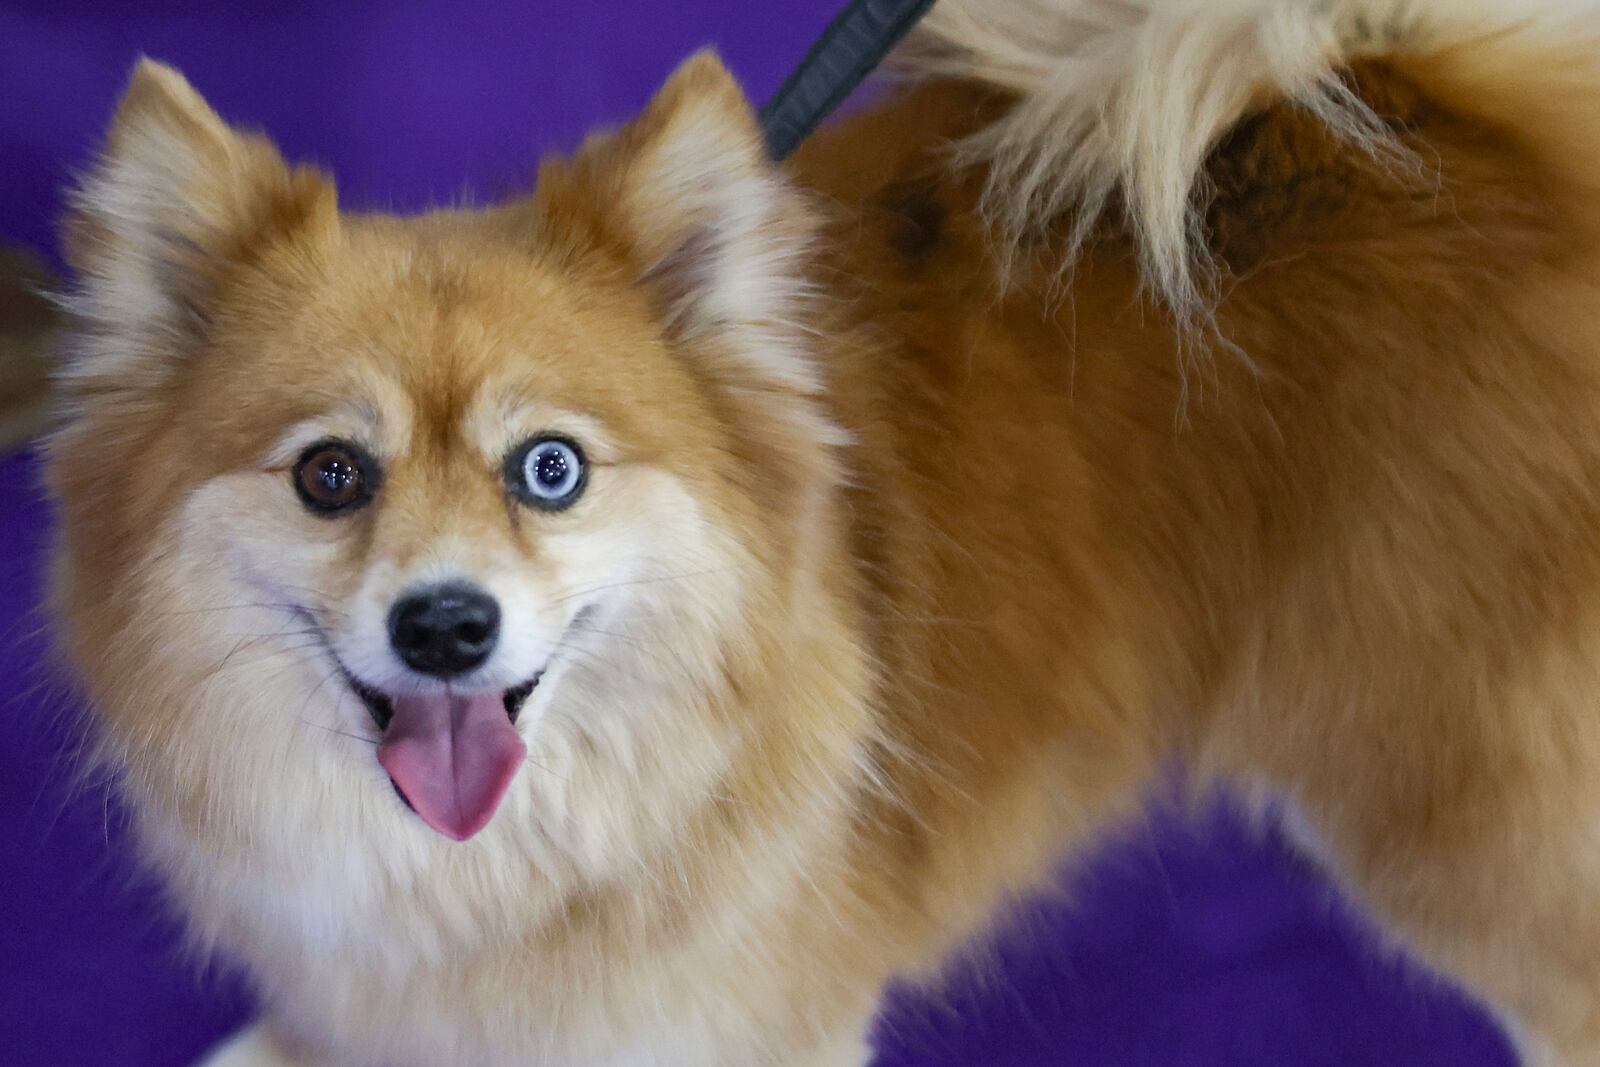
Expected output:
(457, 477)
(349, 499)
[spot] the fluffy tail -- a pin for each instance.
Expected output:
(1123, 100)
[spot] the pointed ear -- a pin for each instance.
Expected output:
(707, 222)
(176, 200)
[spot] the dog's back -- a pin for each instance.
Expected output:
(1282, 383)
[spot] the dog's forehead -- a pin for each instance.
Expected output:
(427, 336)
(445, 308)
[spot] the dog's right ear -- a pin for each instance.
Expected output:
(176, 201)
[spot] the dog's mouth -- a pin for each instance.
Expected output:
(450, 756)
(381, 708)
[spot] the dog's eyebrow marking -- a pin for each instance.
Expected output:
(496, 424)
(356, 419)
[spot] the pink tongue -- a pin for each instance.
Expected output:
(452, 757)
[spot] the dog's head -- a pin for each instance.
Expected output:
(352, 500)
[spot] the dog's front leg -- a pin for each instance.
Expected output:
(261, 1046)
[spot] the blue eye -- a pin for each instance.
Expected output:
(547, 472)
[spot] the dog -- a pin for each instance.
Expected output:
(630, 623)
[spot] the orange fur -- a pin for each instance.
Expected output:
(910, 579)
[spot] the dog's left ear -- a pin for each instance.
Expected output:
(177, 204)
(687, 197)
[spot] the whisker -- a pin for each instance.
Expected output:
(629, 638)
(342, 733)
(639, 581)
(243, 606)
(326, 678)
(545, 768)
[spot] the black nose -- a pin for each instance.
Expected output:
(444, 630)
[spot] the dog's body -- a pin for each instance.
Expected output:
(1233, 395)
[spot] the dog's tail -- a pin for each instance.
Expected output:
(1121, 101)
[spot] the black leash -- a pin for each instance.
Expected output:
(853, 44)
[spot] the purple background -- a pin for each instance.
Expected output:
(1189, 944)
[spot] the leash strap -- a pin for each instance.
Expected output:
(854, 43)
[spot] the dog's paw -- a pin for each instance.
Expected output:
(251, 1048)
(850, 1051)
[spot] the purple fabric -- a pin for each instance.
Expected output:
(1190, 946)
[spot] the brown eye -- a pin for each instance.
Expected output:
(332, 476)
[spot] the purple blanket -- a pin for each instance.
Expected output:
(1186, 945)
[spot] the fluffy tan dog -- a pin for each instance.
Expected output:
(626, 625)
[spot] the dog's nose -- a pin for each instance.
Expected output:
(444, 630)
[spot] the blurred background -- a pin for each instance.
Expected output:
(1186, 942)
